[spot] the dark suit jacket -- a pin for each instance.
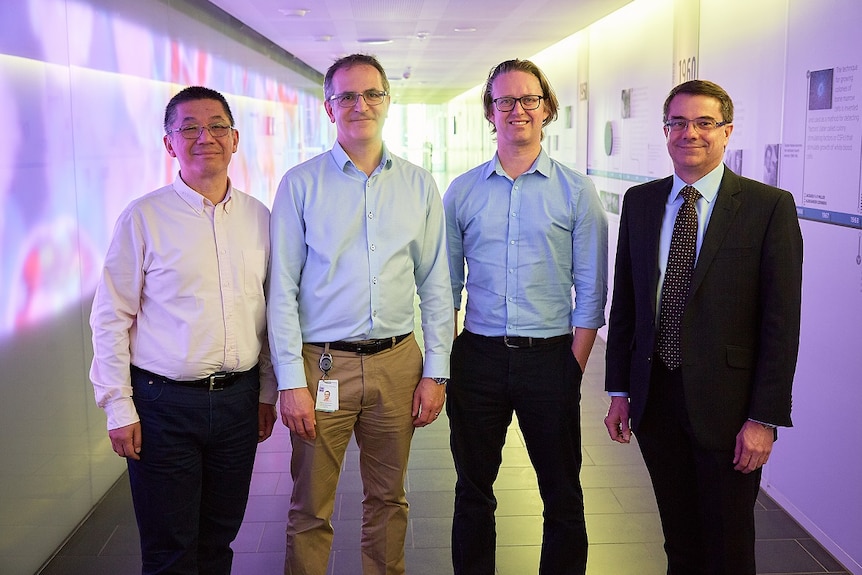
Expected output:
(740, 329)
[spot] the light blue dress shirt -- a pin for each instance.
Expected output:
(526, 243)
(708, 188)
(349, 254)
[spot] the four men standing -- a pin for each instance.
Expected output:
(705, 313)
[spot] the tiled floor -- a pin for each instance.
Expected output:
(624, 532)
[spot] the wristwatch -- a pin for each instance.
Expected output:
(441, 380)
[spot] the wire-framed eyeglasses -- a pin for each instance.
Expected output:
(507, 103)
(193, 132)
(700, 124)
(349, 99)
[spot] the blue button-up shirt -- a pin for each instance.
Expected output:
(349, 254)
(526, 244)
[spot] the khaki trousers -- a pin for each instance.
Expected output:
(375, 403)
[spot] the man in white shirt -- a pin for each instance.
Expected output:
(181, 363)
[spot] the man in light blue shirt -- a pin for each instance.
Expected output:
(356, 233)
(529, 230)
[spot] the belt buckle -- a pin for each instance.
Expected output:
(512, 346)
(216, 381)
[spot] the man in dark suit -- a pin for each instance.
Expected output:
(704, 391)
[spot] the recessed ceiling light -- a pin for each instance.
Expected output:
(375, 41)
(323, 38)
(465, 29)
(294, 12)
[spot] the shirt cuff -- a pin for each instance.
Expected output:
(121, 413)
(290, 376)
(618, 394)
(436, 366)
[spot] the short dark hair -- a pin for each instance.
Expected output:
(702, 88)
(552, 105)
(191, 94)
(349, 62)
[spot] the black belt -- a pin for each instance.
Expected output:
(215, 382)
(518, 342)
(366, 347)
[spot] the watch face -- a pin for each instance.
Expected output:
(441, 380)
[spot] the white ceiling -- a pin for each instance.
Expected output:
(432, 56)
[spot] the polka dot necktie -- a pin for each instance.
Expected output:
(677, 278)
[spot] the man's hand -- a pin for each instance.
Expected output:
(428, 400)
(617, 420)
(753, 446)
(265, 421)
(297, 411)
(126, 441)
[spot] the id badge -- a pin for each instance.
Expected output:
(327, 395)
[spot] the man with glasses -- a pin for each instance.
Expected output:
(703, 334)
(530, 230)
(356, 233)
(180, 357)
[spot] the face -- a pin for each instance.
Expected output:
(360, 124)
(695, 154)
(517, 127)
(206, 157)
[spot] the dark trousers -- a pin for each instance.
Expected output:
(706, 507)
(191, 484)
(541, 385)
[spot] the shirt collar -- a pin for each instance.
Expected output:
(342, 159)
(541, 165)
(707, 185)
(196, 200)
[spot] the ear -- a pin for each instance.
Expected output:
(169, 146)
(328, 107)
(235, 133)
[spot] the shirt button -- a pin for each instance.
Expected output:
(372, 247)
(370, 215)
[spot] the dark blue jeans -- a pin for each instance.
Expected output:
(191, 484)
(541, 385)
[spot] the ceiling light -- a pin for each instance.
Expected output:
(323, 38)
(375, 41)
(465, 29)
(294, 12)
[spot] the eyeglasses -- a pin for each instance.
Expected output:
(507, 103)
(194, 132)
(349, 99)
(700, 124)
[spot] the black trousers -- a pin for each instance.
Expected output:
(706, 507)
(541, 385)
(191, 484)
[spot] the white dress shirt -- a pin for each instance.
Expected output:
(181, 294)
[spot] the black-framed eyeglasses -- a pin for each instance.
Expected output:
(507, 103)
(700, 124)
(193, 132)
(349, 99)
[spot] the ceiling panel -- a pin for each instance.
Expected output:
(436, 49)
